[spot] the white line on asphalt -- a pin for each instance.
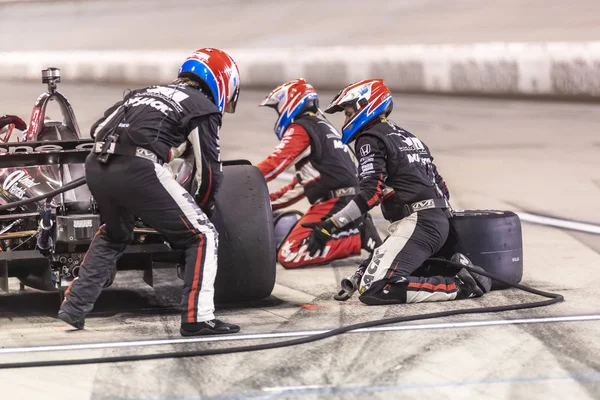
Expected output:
(293, 388)
(226, 338)
(527, 217)
(559, 223)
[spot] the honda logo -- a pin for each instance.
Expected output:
(365, 150)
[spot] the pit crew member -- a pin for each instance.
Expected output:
(325, 175)
(127, 176)
(395, 169)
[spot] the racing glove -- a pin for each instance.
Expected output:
(12, 119)
(320, 235)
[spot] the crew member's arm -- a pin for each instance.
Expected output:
(294, 146)
(108, 115)
(287, 195)
(440, 182)
(204, 138)
(372, 174)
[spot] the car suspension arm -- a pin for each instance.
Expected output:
(69, 186)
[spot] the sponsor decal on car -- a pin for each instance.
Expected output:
(17, 183)
(41, 148)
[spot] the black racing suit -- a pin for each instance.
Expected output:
(329, 165)
(395, 169)
(157, 122)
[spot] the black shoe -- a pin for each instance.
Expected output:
(75, 323)
(472, 284)
(369, 236)
(212, 327)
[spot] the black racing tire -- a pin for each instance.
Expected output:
(244, 220)
(61, 295)
(491, 239)
(37, 277)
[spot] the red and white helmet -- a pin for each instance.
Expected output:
(289, 100)
(368, 99)
(218, 74)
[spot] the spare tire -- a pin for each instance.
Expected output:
(284, 222)
(244, 220)
(491, 239)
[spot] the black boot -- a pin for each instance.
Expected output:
(75, 323)
(369, 236)
(212, 327)
(470, 284)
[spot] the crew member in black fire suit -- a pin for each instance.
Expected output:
(127, 176)
(396, 169)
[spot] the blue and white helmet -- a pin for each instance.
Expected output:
(289, 100)
(217, 73)
(367, 100)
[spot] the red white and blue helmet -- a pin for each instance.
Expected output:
(217, 73)
(369, 99)
(289, 100)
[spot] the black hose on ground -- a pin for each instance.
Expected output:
(553, 298)
(69, 186)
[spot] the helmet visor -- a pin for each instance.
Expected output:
(231, 105)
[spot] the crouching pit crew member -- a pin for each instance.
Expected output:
(395, 169)
(325, 174)
(127, 176)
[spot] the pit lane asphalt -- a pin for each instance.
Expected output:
(514, 155)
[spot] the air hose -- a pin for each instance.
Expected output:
(65, 188)
(553, 298)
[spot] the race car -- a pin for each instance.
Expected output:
(47, 224)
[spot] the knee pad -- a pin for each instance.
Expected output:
(385, 292)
